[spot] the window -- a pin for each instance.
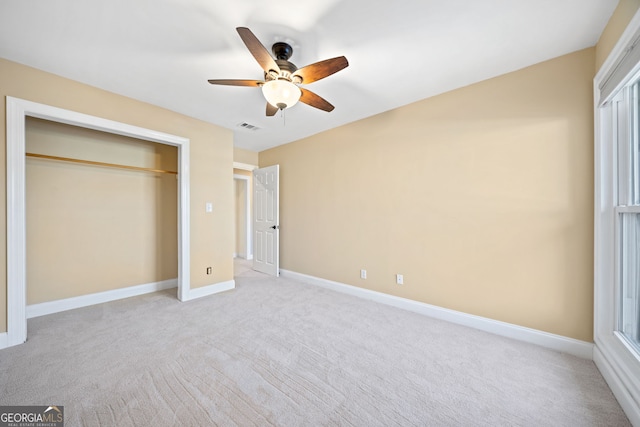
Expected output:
(617, 221)
(626, 137)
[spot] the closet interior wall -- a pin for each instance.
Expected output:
(92, 228)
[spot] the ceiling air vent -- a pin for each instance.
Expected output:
(248, 126)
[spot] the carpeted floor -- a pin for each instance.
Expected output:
(278, 352)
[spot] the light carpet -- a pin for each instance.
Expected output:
(278, 352)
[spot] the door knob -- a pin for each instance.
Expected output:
(275, 227)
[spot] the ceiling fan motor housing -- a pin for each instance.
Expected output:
(286, 70)
(282, 50)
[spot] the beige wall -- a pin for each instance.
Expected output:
(615, 27)
(481, 197)
(92, 229)
(212, 235)
(242, 171)
(245, 156)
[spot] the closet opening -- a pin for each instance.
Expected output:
(101, 215)
(101, 193)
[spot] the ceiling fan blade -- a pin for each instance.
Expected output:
(319, 70)
(314, 100)
(271, 110)
(258, 51)
(231, 82)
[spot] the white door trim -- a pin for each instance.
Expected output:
(17, 111)
(247, 214)
(244, 166)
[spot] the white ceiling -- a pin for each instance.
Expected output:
(163, 51)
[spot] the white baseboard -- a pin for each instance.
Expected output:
(555, 342)
(211, 289)
(35, 310)
(42, 309)
(617, 386)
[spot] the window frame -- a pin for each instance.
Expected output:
(616, 357)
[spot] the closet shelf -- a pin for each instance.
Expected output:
(91, 162)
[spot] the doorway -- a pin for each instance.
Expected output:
(244, 241)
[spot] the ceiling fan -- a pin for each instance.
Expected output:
(282, 78)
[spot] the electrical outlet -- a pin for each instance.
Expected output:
(399, 279)
(209, 270)
(363, 274)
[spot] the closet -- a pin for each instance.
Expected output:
(101, 211)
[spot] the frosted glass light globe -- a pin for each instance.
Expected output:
(281, 93)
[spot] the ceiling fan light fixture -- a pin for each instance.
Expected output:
(281, 93)
(282, 77)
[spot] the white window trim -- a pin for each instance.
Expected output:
(618, 364)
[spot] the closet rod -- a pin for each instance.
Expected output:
(90, 162)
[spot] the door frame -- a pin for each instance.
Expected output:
(17, 112)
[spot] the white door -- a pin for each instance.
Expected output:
(266, 227)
